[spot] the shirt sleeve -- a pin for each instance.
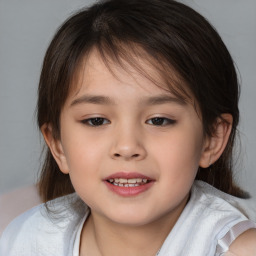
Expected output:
(235, 231)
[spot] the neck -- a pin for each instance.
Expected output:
(102, 237)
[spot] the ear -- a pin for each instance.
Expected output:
(215, 145)
(56, 147)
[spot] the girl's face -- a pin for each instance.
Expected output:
(131, 149)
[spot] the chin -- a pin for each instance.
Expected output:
(132, 218)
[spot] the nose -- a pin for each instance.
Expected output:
(128, 145)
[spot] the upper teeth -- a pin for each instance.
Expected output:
(128, 181)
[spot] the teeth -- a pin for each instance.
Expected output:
(132, 181)
(135, 182)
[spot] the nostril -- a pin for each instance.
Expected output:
(133, 156)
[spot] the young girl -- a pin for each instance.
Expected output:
(138, 104)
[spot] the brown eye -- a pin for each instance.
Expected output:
(160, 121)
(97, 121)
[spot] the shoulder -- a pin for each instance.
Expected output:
(244, 245)
(24, 220)
(221, 201)
(17, 234)
(41, 228)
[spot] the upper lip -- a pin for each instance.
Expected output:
(127, 175)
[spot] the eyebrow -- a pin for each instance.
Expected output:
(163, 99)
(104, 100)
(97, 99)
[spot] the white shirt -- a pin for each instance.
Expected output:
(209, 223)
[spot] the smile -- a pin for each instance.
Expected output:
(128, 184)
(134, 182)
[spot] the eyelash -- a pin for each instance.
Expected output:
(156, 121)
(95, 119)
(163, 121)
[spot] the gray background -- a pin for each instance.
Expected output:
(26, 28)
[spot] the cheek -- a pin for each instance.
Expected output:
(84, 158)
(84, 162)
(80, 147)
(179, 151)
(177, 157)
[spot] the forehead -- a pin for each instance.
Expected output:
(96, 71)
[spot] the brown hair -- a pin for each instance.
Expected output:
(173, 35)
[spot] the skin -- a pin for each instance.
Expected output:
(129, 139)
(244, 245)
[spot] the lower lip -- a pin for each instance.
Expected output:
(128, 191)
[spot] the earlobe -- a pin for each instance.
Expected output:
(55, 147)
(216, 144)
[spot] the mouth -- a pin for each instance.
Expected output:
(134, 182)
(128, 184)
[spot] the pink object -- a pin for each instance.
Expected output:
(128, 175)
(15, 203)
(129, 191)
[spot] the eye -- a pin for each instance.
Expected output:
(160, 121)
(95, 121)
